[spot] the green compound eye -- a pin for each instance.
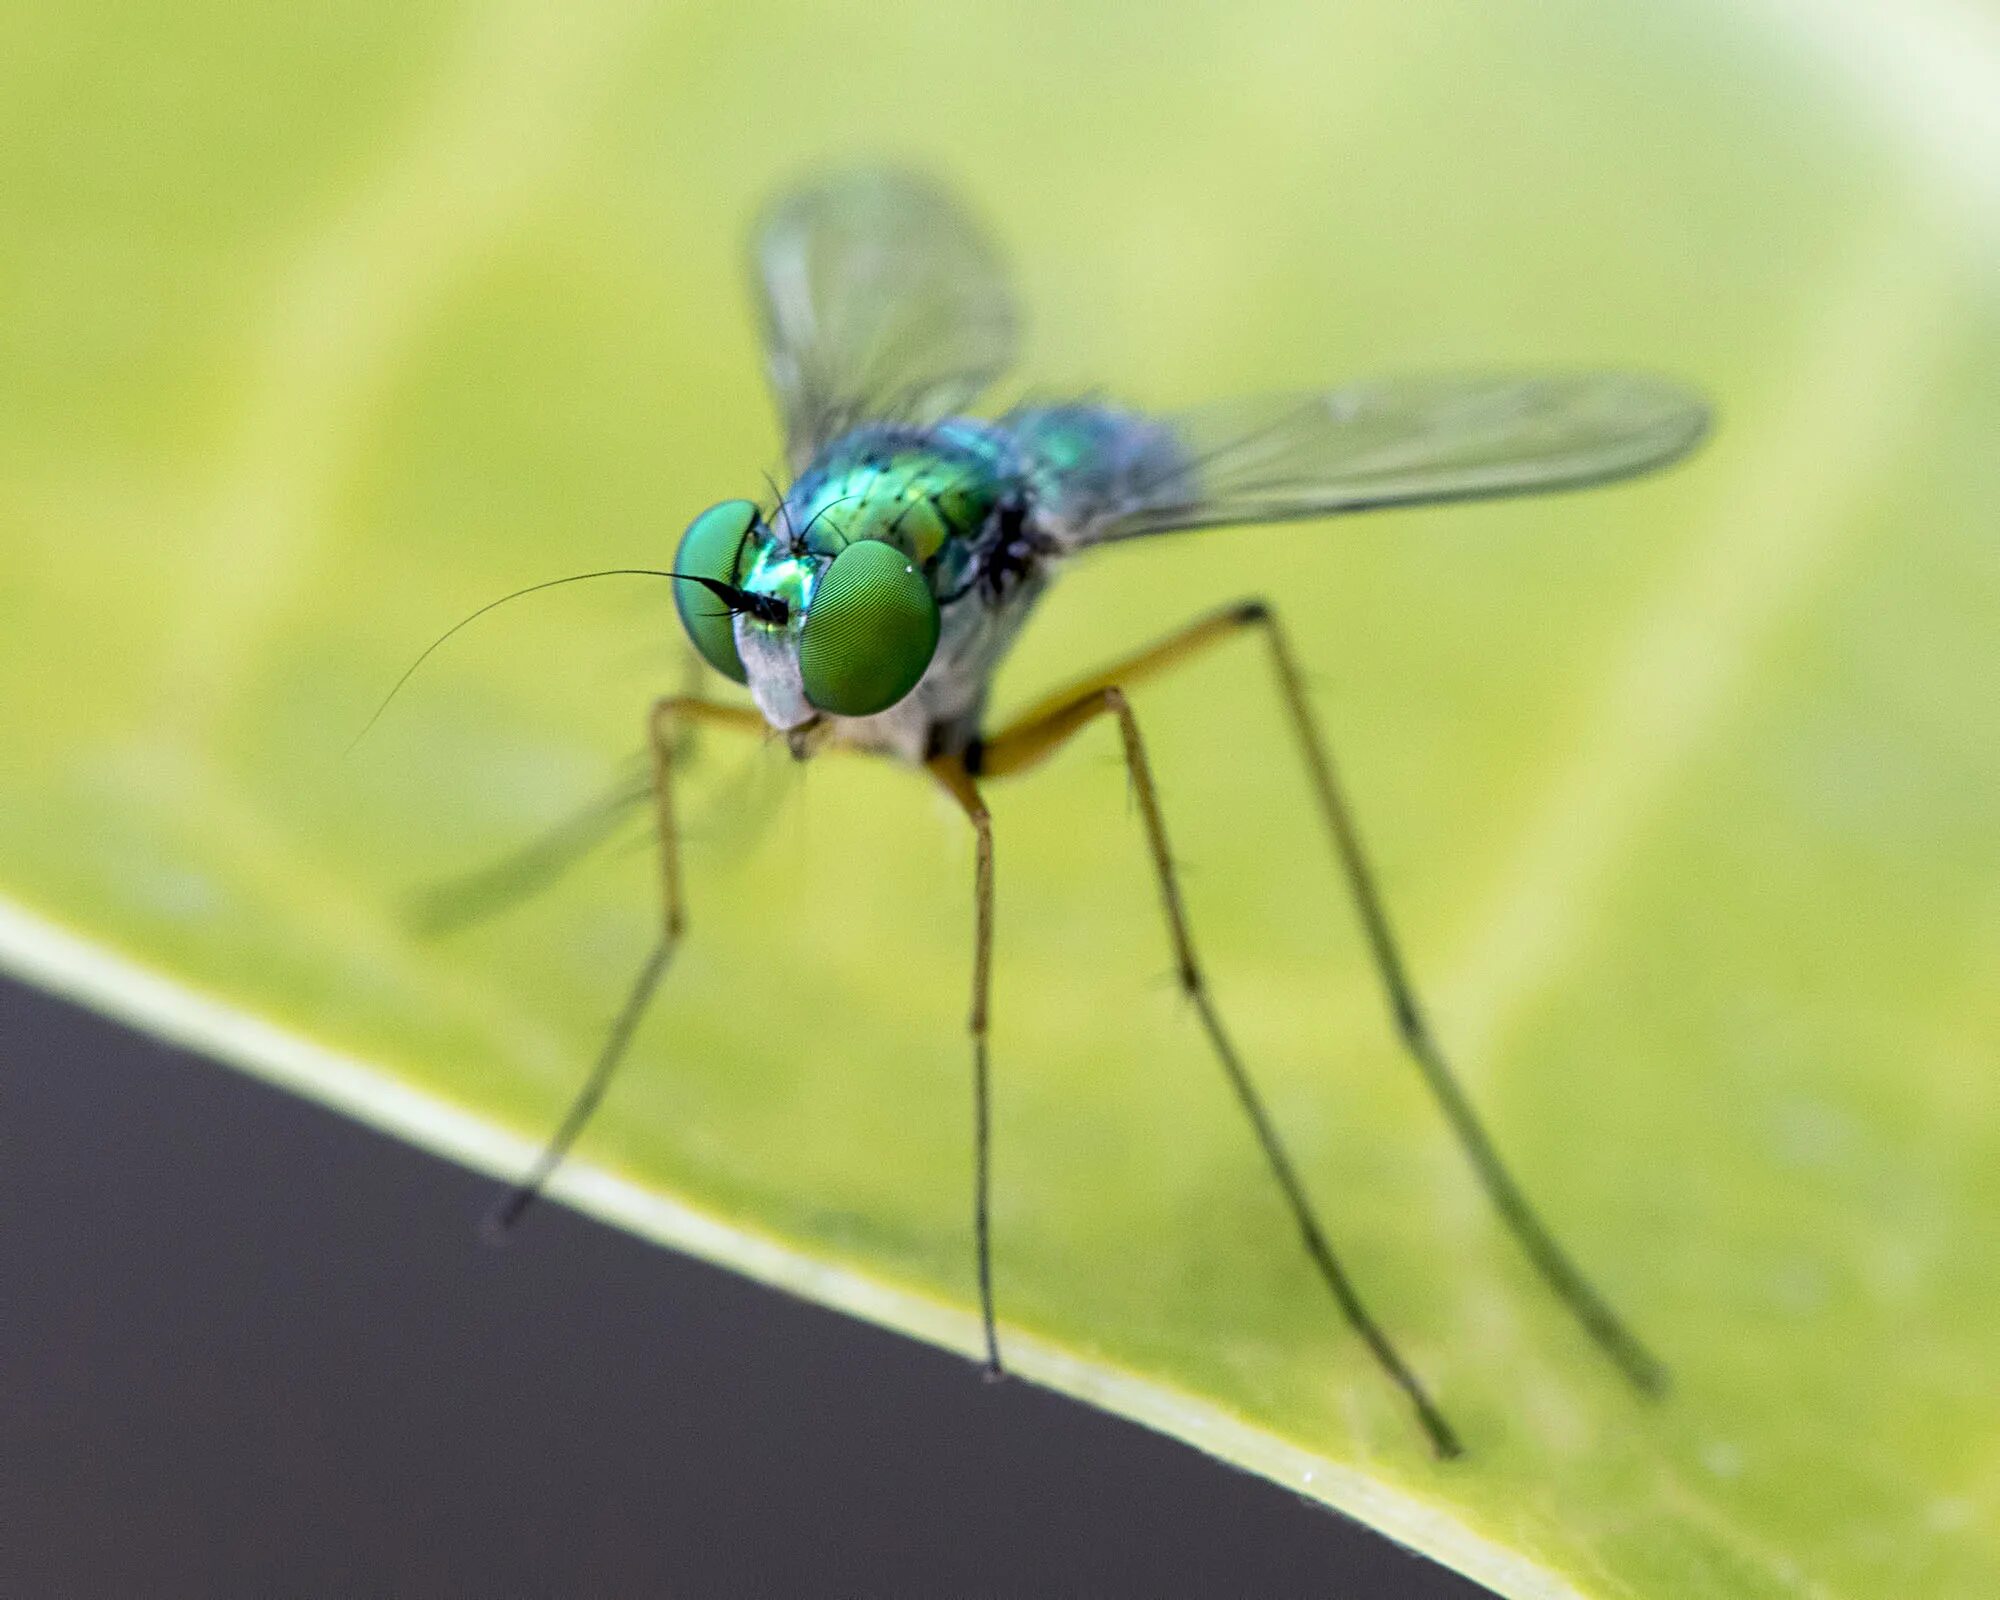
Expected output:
(871, 630)
(709, 549)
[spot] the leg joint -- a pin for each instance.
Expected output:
(663, 713)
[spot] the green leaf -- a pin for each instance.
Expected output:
(319, 331)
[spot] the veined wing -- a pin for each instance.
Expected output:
(880, 299)
(1403, 441)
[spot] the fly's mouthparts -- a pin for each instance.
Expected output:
(803, 739)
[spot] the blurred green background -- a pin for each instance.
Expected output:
(317, 331)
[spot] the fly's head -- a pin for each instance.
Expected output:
(813, 633)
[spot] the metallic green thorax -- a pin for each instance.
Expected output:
(943, 495)
(929, 494)
(915, 490)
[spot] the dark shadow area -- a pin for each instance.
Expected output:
(248, 1347)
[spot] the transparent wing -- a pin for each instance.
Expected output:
(1402, 442)
(880, 298)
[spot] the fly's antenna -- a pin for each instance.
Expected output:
(813, 522)
(784, 511)
(766, 608)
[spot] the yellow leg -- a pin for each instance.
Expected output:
(1040, 735)
(663, 723)
(957, 782)
(1046, 726)
(667, 717)
(1038, 732)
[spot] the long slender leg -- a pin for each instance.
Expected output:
(1604, 1326)
(959, 785)
(1618, 1342)
(668, 716)
(1025, 744)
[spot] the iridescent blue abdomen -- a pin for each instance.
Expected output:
(1085, 462)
